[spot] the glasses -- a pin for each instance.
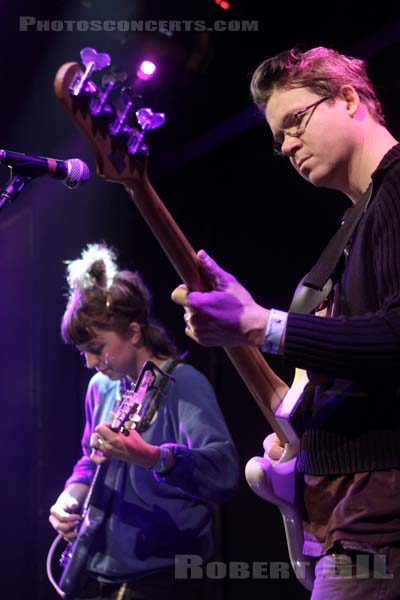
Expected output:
(297, 124)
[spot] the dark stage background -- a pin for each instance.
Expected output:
(213, 166)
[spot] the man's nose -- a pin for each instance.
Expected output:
(290, 144)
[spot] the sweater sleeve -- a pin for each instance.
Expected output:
(207, 465)
(362, 345)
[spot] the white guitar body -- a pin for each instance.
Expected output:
(277, 482)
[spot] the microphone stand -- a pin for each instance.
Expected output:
(14, 186)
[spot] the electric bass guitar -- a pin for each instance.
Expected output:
(118, 139)
(130, 412)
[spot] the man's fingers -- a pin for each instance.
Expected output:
(190, 333)
(206, 261)
(217, 276)
(179, 295)
(273, 447)
(275, 452)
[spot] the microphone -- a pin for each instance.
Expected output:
(72, 172)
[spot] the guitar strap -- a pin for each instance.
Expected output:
(316, 285)
(159, 386)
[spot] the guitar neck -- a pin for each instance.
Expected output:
(265, 386)
(94, 486)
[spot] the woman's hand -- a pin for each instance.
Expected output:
(131, 448)
(65, 513)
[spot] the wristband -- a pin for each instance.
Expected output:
(274, 332)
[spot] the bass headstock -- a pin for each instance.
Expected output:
(111, 116)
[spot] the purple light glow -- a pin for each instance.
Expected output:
(146, 69)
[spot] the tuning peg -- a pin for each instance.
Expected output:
(130, 97)
(149, 120)
(93, 61)
(113, 77)
(98, 105)
(97, 60)
(132, 101)
(134, 143)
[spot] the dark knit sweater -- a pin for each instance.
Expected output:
(352, 422)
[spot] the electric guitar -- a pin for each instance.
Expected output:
(118, 139)
(132, 409)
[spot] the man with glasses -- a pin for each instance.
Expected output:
(326, 119)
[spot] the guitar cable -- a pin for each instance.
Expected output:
(49, 562)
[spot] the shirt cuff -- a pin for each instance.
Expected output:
(164, 460)
(274, 332)
(183, 469)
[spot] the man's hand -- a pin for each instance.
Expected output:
(130, 448)
(227, 316)
(273, 448)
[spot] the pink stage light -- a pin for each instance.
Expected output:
(146, 69)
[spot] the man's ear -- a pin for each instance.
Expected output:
(134, 333)
(351, 98)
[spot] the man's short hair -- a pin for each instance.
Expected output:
(321, 70)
